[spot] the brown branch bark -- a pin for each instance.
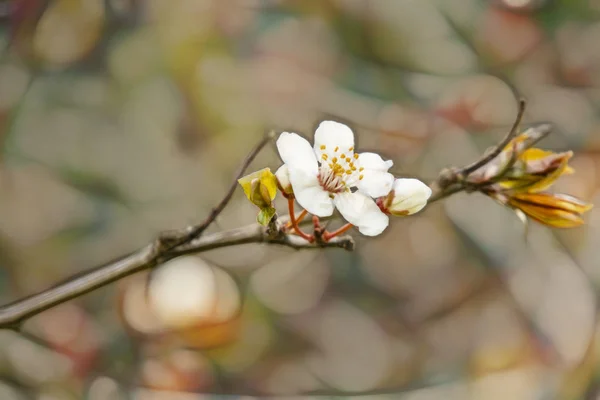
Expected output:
(12, 315)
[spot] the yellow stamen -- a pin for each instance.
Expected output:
(324, 157)
(336, 148)
(360, 177)
(356, 156)
(351, 149)
(323, 147)
(334, 160)
(353, 168)
(361, 169)
(348, 171)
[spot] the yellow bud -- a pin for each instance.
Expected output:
(537, 171)
(260, 187)
(556, 210)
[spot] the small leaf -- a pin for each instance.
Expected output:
(265, 215)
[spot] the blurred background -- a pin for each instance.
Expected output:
(122, 118)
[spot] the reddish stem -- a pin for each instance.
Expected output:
(328, 235)
(295, 221)
(298, 220)
(316, 222)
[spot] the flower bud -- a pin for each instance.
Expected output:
(259, 194)
(283, 180)
(522, 168)
(260, 187)
(407, 197)
(556, 210)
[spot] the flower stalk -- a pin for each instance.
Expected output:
(327, 236)
(294, 222)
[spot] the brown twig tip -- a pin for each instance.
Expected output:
(496, 150)
(453, 180)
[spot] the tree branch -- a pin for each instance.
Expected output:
(172, 244)
(498, 148)
(12, 315)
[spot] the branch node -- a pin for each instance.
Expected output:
(346, 242)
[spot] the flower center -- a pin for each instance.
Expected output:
(330, 180)
(339, 169)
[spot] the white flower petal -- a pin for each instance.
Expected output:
(376, 183)
(373, 161)
(410, 196)
(309, 193)
(283, 178)
(362, 212)
(296, 152)
(333, 135)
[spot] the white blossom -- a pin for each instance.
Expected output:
(331, 175)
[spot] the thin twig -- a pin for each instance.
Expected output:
(454, 180)
(197, 230)
(439, 194)
(496, 150)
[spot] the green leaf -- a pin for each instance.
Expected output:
(265, 215)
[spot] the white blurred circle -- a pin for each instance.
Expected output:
(187, 290)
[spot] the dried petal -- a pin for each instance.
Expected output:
(556, 210)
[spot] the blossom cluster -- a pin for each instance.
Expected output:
(330, 175)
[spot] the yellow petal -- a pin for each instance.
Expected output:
(535, 154)
(521, 183)
(549, 180)
(542, 175)
(515, 141)
(260, 187)
(559, 201)
(552, 217)
(246, 183)
(573, 204)
(557, 210)
(268, 180)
